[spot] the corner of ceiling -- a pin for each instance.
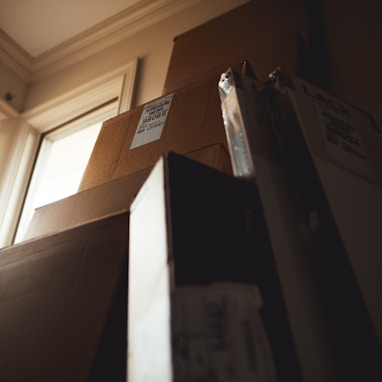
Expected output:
(108, 33)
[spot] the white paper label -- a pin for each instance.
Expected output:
(218, 335)
(152, 121)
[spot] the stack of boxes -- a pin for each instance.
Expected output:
(98, 291)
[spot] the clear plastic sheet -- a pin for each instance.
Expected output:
(239, 96)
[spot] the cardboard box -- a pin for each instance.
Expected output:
(192, 226)
(108, 198)
(63, 303)
(287, 51)
(266, 34)
(215, 156)
(184, 121)
(84, 206)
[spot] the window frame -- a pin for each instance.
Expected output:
(96, 116)
(29, 127)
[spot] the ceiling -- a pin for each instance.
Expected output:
(40, 25)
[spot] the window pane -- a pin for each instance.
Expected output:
(61, 162)
(65, 163)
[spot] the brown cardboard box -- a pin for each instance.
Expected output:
(288, 51)
(215, 156)
(194, 121)
(82, 207)
(263, 32)
(108, 198)
(63, 305)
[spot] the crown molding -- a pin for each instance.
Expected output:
(16, 58)
(96, 39)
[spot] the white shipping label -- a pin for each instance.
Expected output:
(152, 121)
(218, 335)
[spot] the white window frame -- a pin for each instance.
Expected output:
(98, 115)
(30, 125)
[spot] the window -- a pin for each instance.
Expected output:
(61, 161)
(38, 134)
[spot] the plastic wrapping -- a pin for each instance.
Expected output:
(239, 97)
